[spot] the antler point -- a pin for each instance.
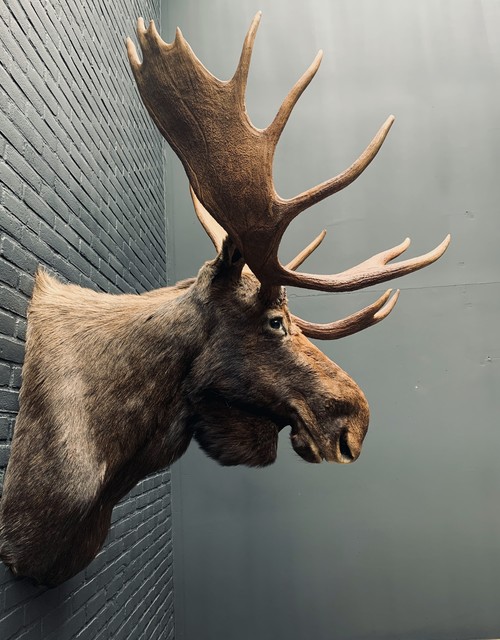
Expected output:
(135, 63)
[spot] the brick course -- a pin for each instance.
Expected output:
(81, 192)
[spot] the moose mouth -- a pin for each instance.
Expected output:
(233, 433)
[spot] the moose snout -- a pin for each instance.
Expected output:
(345, 445)
(334, 431)
(350, 431)
(342, 445)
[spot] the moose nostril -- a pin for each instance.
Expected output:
(345, 450)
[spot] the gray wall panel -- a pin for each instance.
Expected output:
(405, 543)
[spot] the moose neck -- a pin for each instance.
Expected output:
(102, 392)
(160, 342)
(128, 356)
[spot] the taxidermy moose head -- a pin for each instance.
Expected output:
(115, 386)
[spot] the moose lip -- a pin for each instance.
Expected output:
(309, 447)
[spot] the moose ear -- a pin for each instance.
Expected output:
(230, 261)
(231, 255)
(232, 437)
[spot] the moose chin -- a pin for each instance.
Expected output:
(116, 386)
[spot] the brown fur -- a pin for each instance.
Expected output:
(115, 387)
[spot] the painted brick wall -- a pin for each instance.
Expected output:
(81, 193)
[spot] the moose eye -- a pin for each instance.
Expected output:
(276, 323)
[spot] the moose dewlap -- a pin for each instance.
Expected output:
(116, 386)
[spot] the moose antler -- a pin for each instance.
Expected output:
(363, 319)
(229, 165)
(217, 234)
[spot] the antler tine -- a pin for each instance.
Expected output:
(358, 321)
(303, 201)
(305, 253)
(275, 129)
(147, 38)
(213, 229)
(133, 58)
(240, 76)
(372, 271)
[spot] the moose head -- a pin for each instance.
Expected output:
(116, 386)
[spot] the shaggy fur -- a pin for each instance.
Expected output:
(115, 387)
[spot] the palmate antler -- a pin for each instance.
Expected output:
(363, 319)
(229, 165)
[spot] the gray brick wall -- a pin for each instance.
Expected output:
(81, 191)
